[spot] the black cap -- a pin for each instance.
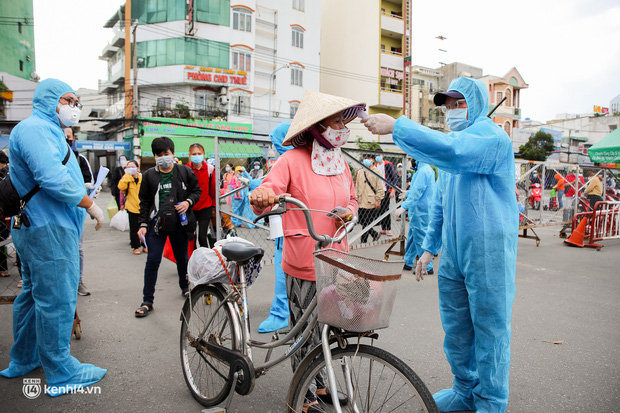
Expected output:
(440, 98)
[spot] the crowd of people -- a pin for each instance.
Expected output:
(174, 203)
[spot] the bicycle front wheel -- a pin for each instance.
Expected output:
(204, 320)
(373, 380)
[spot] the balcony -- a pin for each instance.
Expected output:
(392, 26)
(507, 112)
(392, 60)
(116, 74)
(108, 52)
(117, 110)
(106, 87)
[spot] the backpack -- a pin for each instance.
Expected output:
(10, 202)
(167, 217)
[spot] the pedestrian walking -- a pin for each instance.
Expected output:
(129, 185)
(370, 194)
(206, 180)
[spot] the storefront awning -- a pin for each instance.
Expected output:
(226, 150)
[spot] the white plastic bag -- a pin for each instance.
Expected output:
(120, 221)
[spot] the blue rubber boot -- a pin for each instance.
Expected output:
(87, 375)
(449, 400)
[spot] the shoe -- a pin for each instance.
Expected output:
(389, 233)
(143, 310)
(430, 272)
(136, 251)
(376, 236)
(382, 232)
(327, 397)
(82, 290)
(407, 268)
(273, 323)
(145, 250)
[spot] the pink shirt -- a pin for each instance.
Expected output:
(293, 174)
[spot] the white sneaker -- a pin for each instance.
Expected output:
(82, 290)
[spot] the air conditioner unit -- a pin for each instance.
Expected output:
(224, 99)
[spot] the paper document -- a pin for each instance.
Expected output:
(103, 172)
(143, 240)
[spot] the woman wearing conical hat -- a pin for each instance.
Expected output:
(316, 173)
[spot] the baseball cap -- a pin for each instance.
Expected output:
(440, 98)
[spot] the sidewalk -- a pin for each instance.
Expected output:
(563, 294)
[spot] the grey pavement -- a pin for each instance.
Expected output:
(566, 295)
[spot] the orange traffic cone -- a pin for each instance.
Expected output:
(576, 238)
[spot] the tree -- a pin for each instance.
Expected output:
(538, 147)
(367, 146)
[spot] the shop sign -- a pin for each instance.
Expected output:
(216, 75)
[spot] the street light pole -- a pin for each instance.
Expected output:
(271, 91)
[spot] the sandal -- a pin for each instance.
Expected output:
(185, 293)
(5, 274)
(343, 399)
(312, 407)
(136, 252)
(19, 284)
(145, 308)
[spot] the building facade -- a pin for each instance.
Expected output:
(244, 63)
(363, 49)
(17, 39)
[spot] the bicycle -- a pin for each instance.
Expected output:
(216, 344)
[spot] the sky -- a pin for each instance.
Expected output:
(567, 51)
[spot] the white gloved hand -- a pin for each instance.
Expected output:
(97, 192)
(89, 186)
(244, 180)
(420, 268)
(96, 213)
(379, 124)
(399, 211)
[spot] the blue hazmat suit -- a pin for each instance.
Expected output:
(475, 217)
(43, 313)
(279, 312)
(418, 203)
(241, 206)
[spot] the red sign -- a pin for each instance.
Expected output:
(217, 78)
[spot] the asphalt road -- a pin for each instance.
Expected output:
(566, 295)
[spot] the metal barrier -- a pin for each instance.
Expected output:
(605, 223)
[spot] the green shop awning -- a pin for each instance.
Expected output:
(607, 150)
(227, 150)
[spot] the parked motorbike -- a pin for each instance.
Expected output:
(535, 195)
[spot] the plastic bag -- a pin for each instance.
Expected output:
(120, 221)
(112, 208)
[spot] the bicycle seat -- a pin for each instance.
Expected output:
(240, 252)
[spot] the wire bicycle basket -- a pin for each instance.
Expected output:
(355, 293)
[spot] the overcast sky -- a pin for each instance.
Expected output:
(566, 50)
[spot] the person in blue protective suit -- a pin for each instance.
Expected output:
(278, 313)
(475, 216)
(418, 203)
(240, 202)
(48, 243)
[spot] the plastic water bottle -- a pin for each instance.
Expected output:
(182, 216)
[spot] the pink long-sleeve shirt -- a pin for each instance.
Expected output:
(293, 174)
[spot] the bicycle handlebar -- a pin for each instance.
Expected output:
(322, 239)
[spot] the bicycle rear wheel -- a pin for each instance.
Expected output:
(379, 381)
(208, 378)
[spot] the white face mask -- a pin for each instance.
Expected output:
(164, 161)
(68, 116)
(336, 137)
(131, 171)
(457, 119)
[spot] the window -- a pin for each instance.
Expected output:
(164, 103)
(241, 61)
(242, 19)
(241, 104)
(298, 37)
(294, 107)
(184, 51)
(212, 11)
(19, 27)
(298, 5)
(507, 127)
(498, 97)
(157, 11)
(206, 103)
(21, 66)
(297, 76)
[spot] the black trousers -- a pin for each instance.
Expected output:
(366, 217)
(593, 199)
(133, 230)
(386, 223)
(203, 219)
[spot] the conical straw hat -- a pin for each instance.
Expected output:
(316, 106)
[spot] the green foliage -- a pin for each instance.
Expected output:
(182, 111)
(3, 87)
(367, 146)
(538, 147)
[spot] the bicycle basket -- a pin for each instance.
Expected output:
(355, 293)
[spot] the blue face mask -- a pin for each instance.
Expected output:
(457, 119)
(228, 169)
(196, 159)
(367, 162)
(378, 158)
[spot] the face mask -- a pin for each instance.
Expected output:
(71, 143)
(257, 167)
(336, 137)
(457, 119)
(131, 171)
(228, 169)
(367, 162)
(197, 158)
(164, 161)
(399, 169)
(378, 158)
(68, 116)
